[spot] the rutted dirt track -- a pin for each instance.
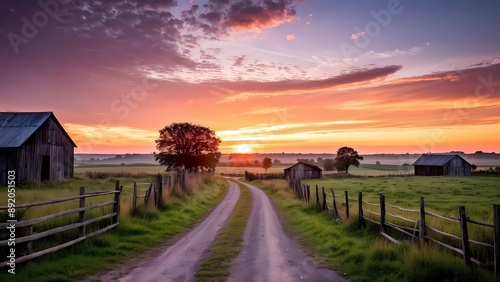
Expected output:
(268, 254)
(179, 262)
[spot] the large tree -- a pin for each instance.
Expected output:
(346, 156)
(267, 163)
(187, 145)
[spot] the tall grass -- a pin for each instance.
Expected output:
(137, 230)
(359, 254)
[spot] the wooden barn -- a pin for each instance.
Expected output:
(35, 146)
(442, 164)
(302, 170)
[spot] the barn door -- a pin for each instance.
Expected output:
(45, 168)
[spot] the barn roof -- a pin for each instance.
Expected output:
(16, 127)
(435, 159)
(306, 164)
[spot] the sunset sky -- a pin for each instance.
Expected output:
(304, 76)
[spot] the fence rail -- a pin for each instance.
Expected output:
(388, 221)
(81, 223)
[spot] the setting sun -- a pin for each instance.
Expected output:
(243, 148)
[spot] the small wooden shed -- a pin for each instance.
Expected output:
(35, 146)
(302, 170)
(442, 164)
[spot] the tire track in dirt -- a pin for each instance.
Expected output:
(180, 261)
(268, 254)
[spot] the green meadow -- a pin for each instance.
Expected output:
(360, 254)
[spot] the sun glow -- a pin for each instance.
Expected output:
(243, 148)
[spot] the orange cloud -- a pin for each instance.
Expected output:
(290, 37)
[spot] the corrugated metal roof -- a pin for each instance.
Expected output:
(309, 165)
(434, 159)
(16, 128)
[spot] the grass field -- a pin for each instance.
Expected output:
(138, 229)
(442, 194)
(360, 254)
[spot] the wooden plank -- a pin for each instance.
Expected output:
(400, 217)
(371, 204)
(372, 221)
(442, 217)
(390, 238)
(134, 196)
(444, 233)
(400, 208)
(335, 212)
(57, 230)
(116, 205)
(324, 198)
(398, 228)
(59, 247)
(480, 222)
(445, 245)
(34, 221)
(372, 212)
(87, 195)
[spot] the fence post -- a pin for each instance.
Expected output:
(308, 193)
(382, 213)
(317, 198)
(346, 204)
(496, 224)
(421, 233)
(335, 212)
(465, 235)
(325, 207)
(134, 198)
(360, 209)
(81, 229)
(159, 180)
(116, 205)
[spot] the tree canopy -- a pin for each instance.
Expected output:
(267, 163)
(346, 156)
(187, 145)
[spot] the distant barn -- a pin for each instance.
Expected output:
(442, 164)
(35, 146)
(302, 170)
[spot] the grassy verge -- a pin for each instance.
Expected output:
(138, 231)
(228, 243)
(360, 255)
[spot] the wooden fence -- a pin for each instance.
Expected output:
(390, 222)
(249, 176)
(175, 182)
(82, 223)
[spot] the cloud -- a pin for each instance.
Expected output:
(222, 17)
(238, 61)
(309, 19)
(290, 37)
(397, 52)
(266, 111)
(355, 36)
(249, 89)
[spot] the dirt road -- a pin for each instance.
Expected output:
(179, 262)
(268, 254)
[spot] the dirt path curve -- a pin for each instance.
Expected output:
(179, 261)
(268, 254)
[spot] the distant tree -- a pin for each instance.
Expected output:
(377, 163)
(256, 163)
(267, 163)
(118, 156)
(406, 164)
(346, 156)
(276, 162)
(187, 145)
(329, 164)
(320, 161)
(473, 166)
